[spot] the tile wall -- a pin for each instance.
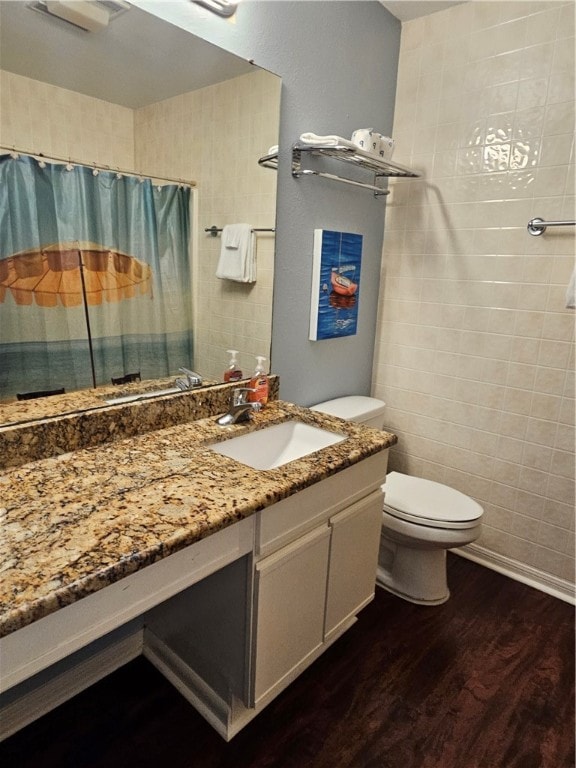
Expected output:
(215, 136)
(474, 353)
(39, 117)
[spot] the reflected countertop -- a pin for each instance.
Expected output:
(82, 400)
(75, 523)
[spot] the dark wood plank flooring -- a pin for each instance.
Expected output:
(484, 681)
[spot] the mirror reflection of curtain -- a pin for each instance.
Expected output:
(70, 237)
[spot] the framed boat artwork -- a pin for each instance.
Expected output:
(335, 284)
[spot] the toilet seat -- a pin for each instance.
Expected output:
(425, 502)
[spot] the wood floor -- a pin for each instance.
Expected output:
(484, 681)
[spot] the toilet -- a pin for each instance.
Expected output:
(421, 519)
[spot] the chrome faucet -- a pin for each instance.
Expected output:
(189, 381)
(239, 409)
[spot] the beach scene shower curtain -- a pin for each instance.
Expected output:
(95, 276)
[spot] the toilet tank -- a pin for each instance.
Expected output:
(365, 410)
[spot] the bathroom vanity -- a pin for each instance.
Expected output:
(230, 580)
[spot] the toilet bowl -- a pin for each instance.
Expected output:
(421, 519)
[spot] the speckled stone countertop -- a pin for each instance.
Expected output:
(75, 523)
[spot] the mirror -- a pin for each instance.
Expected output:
(169, 105)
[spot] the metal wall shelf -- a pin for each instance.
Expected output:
(380, 168)
(269, 161)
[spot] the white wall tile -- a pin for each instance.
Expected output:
(477, 305)
(38, 117)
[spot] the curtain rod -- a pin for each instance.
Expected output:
(96, 166)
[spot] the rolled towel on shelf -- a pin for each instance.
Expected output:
(237, 254)
(322, 141)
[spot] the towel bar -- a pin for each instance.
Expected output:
(213, 230)
(538, 226)
(378, 191)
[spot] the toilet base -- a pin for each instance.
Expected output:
(382, 579)
(416, 575)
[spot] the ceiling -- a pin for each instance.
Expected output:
(137, 60)
(405, 10)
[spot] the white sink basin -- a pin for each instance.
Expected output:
(272, 447)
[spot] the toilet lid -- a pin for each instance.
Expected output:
(429, 503)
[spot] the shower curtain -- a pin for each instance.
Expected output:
(90, 256)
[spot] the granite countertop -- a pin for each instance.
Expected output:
(75, 523)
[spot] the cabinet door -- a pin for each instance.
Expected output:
(290, 594)
(353, 560)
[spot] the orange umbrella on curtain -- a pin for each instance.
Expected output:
(73, 274)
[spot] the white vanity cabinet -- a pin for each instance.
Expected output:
(320, 574)
(312, 569)
(309, 592)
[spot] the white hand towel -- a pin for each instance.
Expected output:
(233, 234)
(331, 141)
(571, 292)
(237, 254)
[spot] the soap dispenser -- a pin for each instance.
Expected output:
(259, 383)
(233, 372)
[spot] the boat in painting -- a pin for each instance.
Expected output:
(341, 284)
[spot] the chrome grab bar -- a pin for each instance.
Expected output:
(538, 226)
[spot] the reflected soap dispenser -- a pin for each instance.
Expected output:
(233, 372)
(259, 383)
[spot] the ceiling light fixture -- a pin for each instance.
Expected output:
(89, 15)
(79, 12)
(221, 7)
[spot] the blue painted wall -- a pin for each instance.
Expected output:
(338, 63)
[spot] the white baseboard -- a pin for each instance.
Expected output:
(40, 700)
(552, 585)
